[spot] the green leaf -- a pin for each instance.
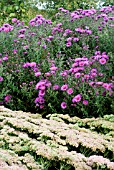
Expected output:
(12, 15)
(16, 7)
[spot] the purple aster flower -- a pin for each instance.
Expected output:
(39, 43)
(36, 100)
(26, 65)
(89, 32)
(64, 87)
(68, 44)
(44, 46)
(77, 75)
(5, 58)
(48, 84)
(1, 79)
(33, 64)
(14, 51)
(25, 47)
(55, 87)
(22, 31)
(102, 61)
(77, 98)
(86, 76)
(40, 85)
(47, 74)
(14, 20)
(39, 22)
(105, 56)
(75, 64)
(63, 105)
(21, 36)
(7, 98)
(37, 74)
(69, 39)
(6, 29)
(81, 63)
(39, 100)
(53, 68)
(41, 93)
(85, 102)
(70, 91)
(107, 86)
(41, 106)
(75, 39)
(99, 83)
(91, 83)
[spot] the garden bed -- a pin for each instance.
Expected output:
(28, 141)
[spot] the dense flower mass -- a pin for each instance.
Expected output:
(62, 66)
(50, 138)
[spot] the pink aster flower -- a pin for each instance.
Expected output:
(1, 79)
(26, 65)
(70, 91)
(105, 56)
(47, 74)
(81, 63)
(53, 68)
(77, 75)
(75, 39)
(40, 85)
(68, 44)
(32, 64)
(94, 70)
(102, 61)
(74, 64)
(91, 83)
(107, 86)
(41, 93)
(99, 83)
(44, 46)
(14, 20)
(37, 74)
(64, 87)
(21, 36)
(48, 84)
(64, 73)
(77, 98)
(55, 87)
(5, 58)
(7, 29)
(39, 100)
(87, 76)
(7, 98)
(69, 39)
(85, 102)
(63, 105)
(15, 51)
(41, 106)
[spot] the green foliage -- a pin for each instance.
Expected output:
(13, 9)
(107, 2)
(51, 6)
(68, 4)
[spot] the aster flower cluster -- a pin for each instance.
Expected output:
(51, 140)
(60, 67)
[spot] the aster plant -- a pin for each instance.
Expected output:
(61, 67)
